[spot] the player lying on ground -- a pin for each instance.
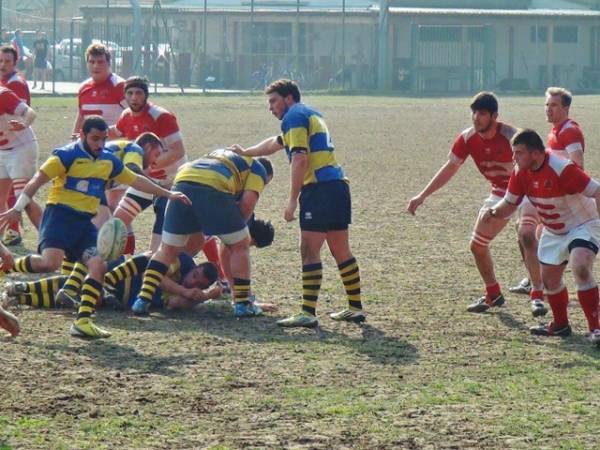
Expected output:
(80, 172)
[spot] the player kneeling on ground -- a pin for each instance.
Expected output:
(224, 189)
(80, 172)
(563, 195)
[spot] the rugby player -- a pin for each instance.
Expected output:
(320, 185)
(565, 140)
(224, 189)
(80, 172)
(563, 195)
(18, 149)
(488, 143)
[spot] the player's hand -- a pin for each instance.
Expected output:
(214, 292)
(8, 217)
(16, 125)
(195, 294)
(74, 135)
(414, 203)
(7, 261)
(237, 148)
(157, 174)
(180, 197)
(289, 213)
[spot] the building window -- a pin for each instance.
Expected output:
(440, 34)
(565, 35)
(542, 34)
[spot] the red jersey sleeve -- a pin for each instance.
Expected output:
(574, 180)
(460, 150)
(516, 187)
(121, 125)
(572, 139)
(21, 90)
(9, 102)
(166, 125)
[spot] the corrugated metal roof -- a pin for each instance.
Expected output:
(497, 12)
(271, 4)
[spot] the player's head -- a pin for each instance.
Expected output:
(97, 57)
(283, 94)
(136, 92)
(262, 233)
(528, 149)
(94, 132)
(8, 59)
(266, 163)
(152, 146)
(201, 276)
(558, 102)
(484, 108)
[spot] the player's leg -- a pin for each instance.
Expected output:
(483, 234)
(129, 207)
(39, 293)
(12, 234)
(48, 261)
(22, 168)
(9, 322)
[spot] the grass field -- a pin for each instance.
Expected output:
(422, 373)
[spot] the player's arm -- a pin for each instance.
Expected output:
(247, 203)
(196, 296)
(27, 117)
(175, 151)
(77, 125)
(6, 259)
(439, 180)
(501, 210)
(143, 184)
(265, 148)
(298, 170)
(14, 213)
(577, 157)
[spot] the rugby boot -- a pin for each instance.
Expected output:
(299, 320)
(11, 237)
(538, 308)
(246, 309)
(523, 287)
(140, 307)
(65, 300)
(483, 304)
(551, 330)
(594, 337)
(85, 328)
(347, 315)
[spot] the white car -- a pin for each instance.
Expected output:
(69, 64)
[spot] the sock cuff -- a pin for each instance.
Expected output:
(157, 266)
(347, 263)
(311, 267)
(241, 282)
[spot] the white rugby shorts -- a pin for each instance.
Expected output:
(19, 163)
(554, 249)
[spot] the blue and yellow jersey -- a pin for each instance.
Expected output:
(127, 151)
(225, 171)
(80, 178)
(304, 130)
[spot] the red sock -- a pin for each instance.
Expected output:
(11, 202)
(558, 303)
(536, 294)
(211, 250)
(492, 291)
(589, 303)
(130, 244)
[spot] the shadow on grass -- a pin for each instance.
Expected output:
(219, 321)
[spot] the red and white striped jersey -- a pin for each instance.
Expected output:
(106, 99)
(559, 190)
(157, 120)
(16, 83)
(566, 138)
(493, 157)
(12, 108)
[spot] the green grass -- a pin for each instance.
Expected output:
(422, 373)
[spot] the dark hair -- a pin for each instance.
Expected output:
(149, 138)
(95, 122)
(10, 49)
(266, 164)
(137, 82)
(284, 87)
(530, 139)
(97, 49)
(485, 101)
(262, 232)
(209, 270)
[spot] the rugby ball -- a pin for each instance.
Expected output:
(112, 238)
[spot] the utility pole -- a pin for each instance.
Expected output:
(383, 60)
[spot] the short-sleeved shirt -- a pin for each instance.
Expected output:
(560, 192)
(40, 48)
(106, 99)
(225, 171)
(16, 83)
(493, 157)
(80, 178)
(303, 129)
(12, 108)
(566, 138)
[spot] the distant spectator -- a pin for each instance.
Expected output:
(17, 43)
(40, 62)
(4, 37)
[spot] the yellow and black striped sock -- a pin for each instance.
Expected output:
(351, 278)
(42, 293)
(23, 265)
(67, 266)
(241, 290)
(312, 276)
(90, 293)
(128, 269)
(73, 284)
(153, 275)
